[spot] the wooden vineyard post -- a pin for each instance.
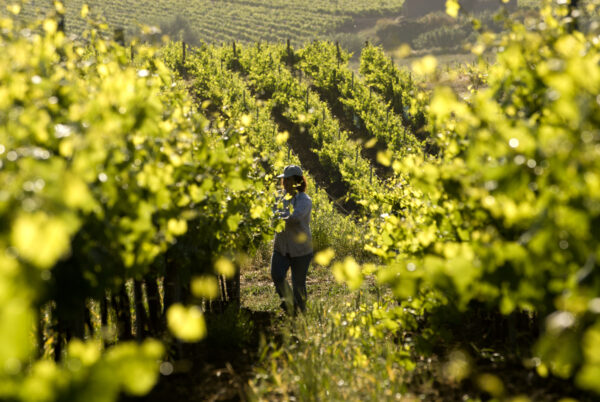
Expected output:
(87, 316)
(119, 36)
(234, 49)
(574, 24)
(104, 311)
(39, 332)
(356, 157)
(140, 312)
(122, 305)
(58, 345)
(223, 291)
(172, 285)
(132, 52)
(307, 99)
(55, 332)
(154, 312)
(352, 80)
(371, 176)
(339, 53)
(233, 289)
(512, 325)
(61, 24)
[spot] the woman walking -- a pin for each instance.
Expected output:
(293, 246)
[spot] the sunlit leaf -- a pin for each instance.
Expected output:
(324, 257)
(87, 353)
(452, 7)
(205, 287)
(424, 66)
(16, 320)
(225, 267)
(282, 137)
(77, 194)
(385, 157)
(59, 7)
(403, 51)
(186, 323)
(40, 238)
(490, 384)
(177, 227)
(50, 26)
(371, 143)
(348, 272)
(14, 8)
(233, 221)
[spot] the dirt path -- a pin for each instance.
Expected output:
(302, 144)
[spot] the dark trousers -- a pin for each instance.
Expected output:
(279, 266)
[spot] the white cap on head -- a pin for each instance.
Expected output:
(291, 170)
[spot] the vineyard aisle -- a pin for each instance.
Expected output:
(233, 362)
(248, 352)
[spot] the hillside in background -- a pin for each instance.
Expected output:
(425, 26)
(419, 8)
(223, 21)
(422, 24)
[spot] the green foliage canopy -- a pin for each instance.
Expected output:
(509, 214)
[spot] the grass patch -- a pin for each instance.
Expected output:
(339, 350)
(258, 292)
(366, 345)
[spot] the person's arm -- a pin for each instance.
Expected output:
(281, 208)
(302, 208)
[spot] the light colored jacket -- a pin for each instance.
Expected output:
(296, 239)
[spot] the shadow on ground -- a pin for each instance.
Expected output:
(219, 367)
